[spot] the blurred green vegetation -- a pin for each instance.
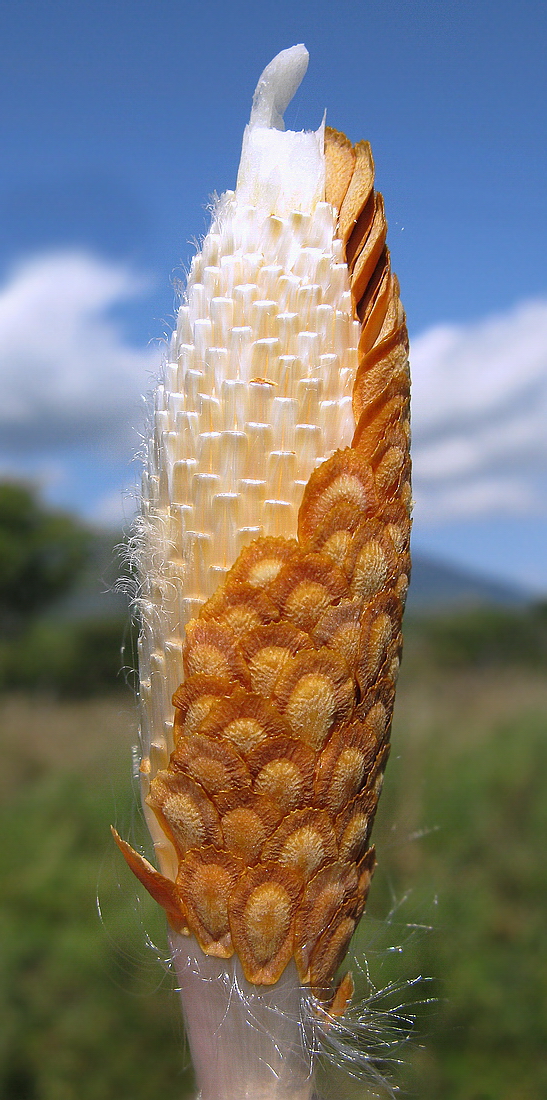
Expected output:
(481, 636)
(42, 552)
(86, 1015)
(86, 1001)
(63, 630)
(88, 1010)
(69, 659)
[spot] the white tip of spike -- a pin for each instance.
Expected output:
(277, 86)
(280, 170)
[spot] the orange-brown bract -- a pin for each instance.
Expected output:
(282, 724)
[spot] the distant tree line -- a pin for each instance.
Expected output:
(46, 554)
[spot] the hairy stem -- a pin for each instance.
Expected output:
(247, 1042)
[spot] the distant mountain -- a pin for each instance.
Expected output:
(436, 585)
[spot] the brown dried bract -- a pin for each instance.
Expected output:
(261, 913)
(344, 766)
(259, 564)
(306, 587)
(345, 478)
(210, 649)
(267, 650)
(212, 762)
(326, 893)
(246, 719)
(314, 693)
(331, 949)
(304, 841)
(194, 698)
(205, 882)
(240, 608)
(340, 166)
(183, 808)
(339, 630)
(282, 769)
(247, 821)
(359, 189)
(160, 888)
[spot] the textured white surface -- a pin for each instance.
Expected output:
(256, 394)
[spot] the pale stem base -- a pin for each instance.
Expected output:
(247, 1042)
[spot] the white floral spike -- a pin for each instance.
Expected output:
(273, 560)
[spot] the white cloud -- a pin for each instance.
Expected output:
(71, 386)
(480, 417)
(67, 374)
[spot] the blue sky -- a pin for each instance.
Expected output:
(121, 119)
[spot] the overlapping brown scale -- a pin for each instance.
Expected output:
(354, 824)
(246, 719)
(382, 374)
(398, 435)
(259, 563)
(331, 949)
(380, 312)
(342, 996)
(372, 563)
(395, 516)
(261, 912)
(370, 433)
(365, 871)
(211, 761)
(345, 478)
(339, 629)
(401, 588)
(333, 536)
(368, 252)
(240, 607)
(324, 895)
(393, 467)
(314, 693)
(266, 651)
(376, 709)
(194, 698)
(359, 188)
(183, 809)
(394, 318)
(375, 303)
(247, 821)
(210, 649)
(304, 841)
(305, 587)
(344, 765)
(380, 638)
(360, 231)
(205, 881)
(282, 768)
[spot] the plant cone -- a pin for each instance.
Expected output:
(274, 558)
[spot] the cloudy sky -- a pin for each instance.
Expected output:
(121, 120)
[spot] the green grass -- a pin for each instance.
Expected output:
(88, 1011)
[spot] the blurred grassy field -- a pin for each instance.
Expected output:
(87, 1009)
